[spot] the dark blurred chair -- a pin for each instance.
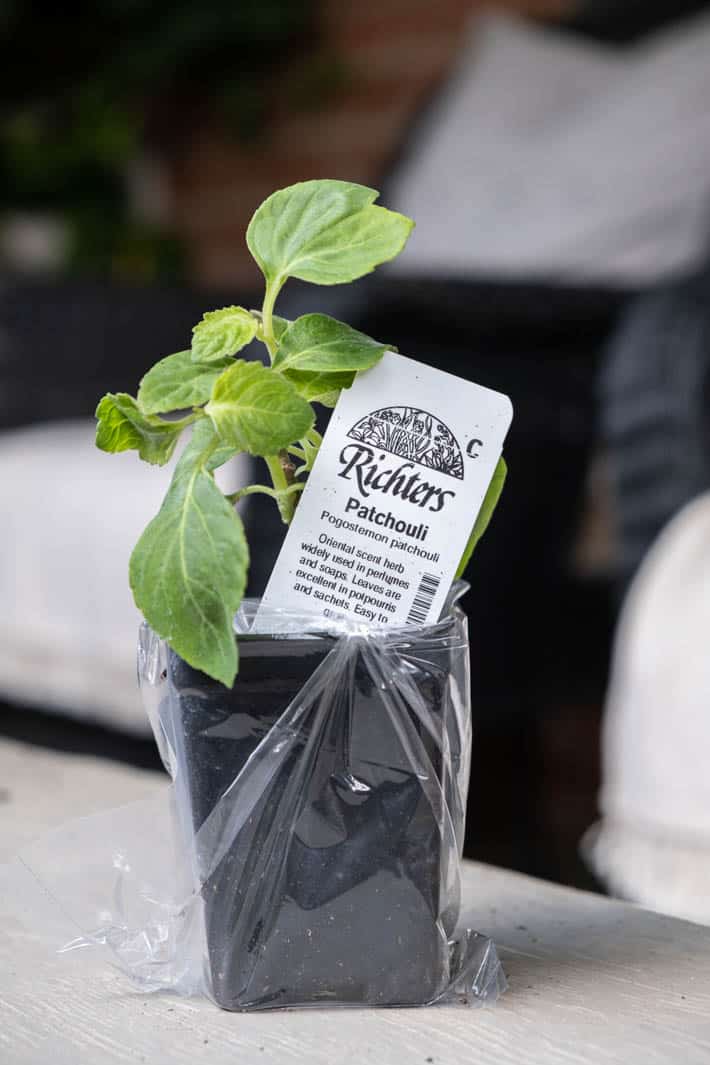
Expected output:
(64, 343)
(655, 409)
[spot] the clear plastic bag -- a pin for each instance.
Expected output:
(313, 852)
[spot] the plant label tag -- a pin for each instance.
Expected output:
(393, 495)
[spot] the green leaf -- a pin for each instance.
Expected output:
(280, 325)
(221, 454)
(320, 356)
(188, 570)
(318, 342)
(257, 410)
(490, 502)
(327, 232)
(222, 333)
(329, 399)
(323, 388)
(177, 382)
(307, 450)
(123, 427)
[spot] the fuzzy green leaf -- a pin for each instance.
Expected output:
(221, 454)
(327, 232)
(329, 399)
(280, 325)
(320, 356)
(122, 426)
(307, 451)
(188, 570)
(490, 502)
(222, 333)
(323, 388)
(319, 343)
(257, 410)
(177, 382)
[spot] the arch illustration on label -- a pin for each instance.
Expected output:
(411, 434)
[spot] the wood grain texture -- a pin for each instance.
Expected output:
(591, 981)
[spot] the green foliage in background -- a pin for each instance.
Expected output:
(84, 88)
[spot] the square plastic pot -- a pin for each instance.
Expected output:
(322, 802)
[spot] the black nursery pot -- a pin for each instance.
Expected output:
(323, 817)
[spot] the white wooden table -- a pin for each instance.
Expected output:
(591, 980)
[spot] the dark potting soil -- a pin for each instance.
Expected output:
(323, 866)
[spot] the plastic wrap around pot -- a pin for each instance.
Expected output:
(309, 850)
(321, 808)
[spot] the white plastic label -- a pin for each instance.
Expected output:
(392, 498)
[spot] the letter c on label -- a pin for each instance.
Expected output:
(470, 448)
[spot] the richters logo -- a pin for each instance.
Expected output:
(411, 434)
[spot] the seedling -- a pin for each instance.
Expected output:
(188, 570)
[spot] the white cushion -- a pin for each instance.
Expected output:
(71, 516)
(653, 844)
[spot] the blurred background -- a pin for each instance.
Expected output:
(556, 158)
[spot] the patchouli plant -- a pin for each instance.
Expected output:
(188, 571)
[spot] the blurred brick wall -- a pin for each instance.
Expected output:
(393, 52)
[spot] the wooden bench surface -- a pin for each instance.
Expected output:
(591, 980)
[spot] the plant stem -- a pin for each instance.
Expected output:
(281, 469)
(286, 502)
(278, 476)
(267, 314)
